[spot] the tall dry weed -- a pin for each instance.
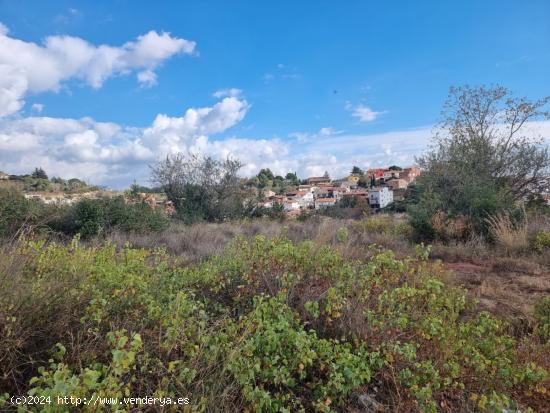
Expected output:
(511, 236)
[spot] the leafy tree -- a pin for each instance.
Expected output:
(265, 177)
(357, 171)
(395, 168)
(292, 178)
(75, 184)
(39, 173)
(201, 187)
(482, 159)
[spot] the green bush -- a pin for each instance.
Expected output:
(542, 241)
(267, 326)
(283, 367)
(542, 317)
(91, 217)
(16, 211)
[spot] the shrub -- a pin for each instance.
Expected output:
(542, 241)
(267, 326)
(282, 367)
(342, 235)
(17, 212)
(91, 217)
(542, 317)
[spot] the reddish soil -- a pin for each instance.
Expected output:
(506, 287)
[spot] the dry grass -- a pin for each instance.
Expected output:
(510, 236)
(200, 241)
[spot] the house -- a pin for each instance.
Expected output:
(335, 191)
(324, 202)
(410, 174)
(315, 180)
(376, 172)
(306, 188)
(397, 184)
(4, 176)
(269, 193)
(380, 197)
(321, 192)
(390, 174)
(291, 205)
(357, 193)
(305, 199)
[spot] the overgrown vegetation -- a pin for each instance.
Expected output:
(269, 325)
(87, 217)
(482, 161)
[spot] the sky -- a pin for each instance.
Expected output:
(101, 90)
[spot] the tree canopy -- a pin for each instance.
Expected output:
(201, 187)
(484, 157)
(39, 173)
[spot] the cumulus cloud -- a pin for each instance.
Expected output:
(363, 113)
(28, 67)
(107, 153)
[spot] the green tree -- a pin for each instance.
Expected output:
(357, 171)
(201, 187)
(39, 173)
(483, 159)
(292, 178)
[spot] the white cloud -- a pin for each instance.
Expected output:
(28, 67)
(147, 78)
(107, 153)
(323, 132)
(37, 107)
(363, 113)
(231, 92)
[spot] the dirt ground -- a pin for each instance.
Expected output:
(505, 287)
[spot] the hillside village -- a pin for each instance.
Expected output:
(375, 189)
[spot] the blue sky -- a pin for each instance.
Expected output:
(321, 85)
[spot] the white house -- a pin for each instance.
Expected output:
(324, 202)
(306, 188)
(305, 199)
(380, 197)
(291, 205)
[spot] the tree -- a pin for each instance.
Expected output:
(395, 168)
(201, 187)
(357, 171)
(292, 178)
(482, 158)
(265, 176)
(39, 173)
